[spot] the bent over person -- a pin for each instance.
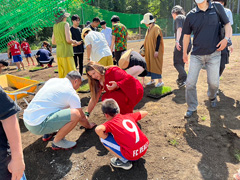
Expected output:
(121, 135)
(57, 107)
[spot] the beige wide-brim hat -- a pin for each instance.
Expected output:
(84, 31)
(125, 59)
(147, 18)
(60, 15)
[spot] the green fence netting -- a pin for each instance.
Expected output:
(20, 19)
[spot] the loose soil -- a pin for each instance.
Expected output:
(202, 147)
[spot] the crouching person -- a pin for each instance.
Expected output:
(121, 135)
(57, 107)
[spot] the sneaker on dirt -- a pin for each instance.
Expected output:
(115, 162)
(63, 144)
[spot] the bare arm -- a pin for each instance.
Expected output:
(113, 42)
(100, 130)
(83, 120)
(89, 50)
(67, 34)
(143, 113)
(186, 40)
(8, 52)
(53, 39)
(178, 36)
(12, 130)
(92, 103)
(223, 43)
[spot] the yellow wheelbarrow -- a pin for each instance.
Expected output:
(23, 86)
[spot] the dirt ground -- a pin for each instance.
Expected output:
(202, 147)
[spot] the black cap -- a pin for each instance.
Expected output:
(115, 18)
(103, 22)
(3, 62)
(75, 17)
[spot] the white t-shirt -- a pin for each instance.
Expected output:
(229, 15)
(99, 44)
(55, 95)
(108, 35)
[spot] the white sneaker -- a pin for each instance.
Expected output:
(150, 83)
(63, 144)
(159, 84)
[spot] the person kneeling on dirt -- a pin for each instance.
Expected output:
(43, 56)
(56, 107)
(121, 135)
(2, 64)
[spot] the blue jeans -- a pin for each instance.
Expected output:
(212, 64)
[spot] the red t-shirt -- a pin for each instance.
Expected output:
(14, 48)
(133, 143)
(26, 48)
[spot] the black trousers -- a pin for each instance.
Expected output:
(224, 60)
(78, 58)
(50, 61)
(179, 64)
(118, 55)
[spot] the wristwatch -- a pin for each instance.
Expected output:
(226, 38)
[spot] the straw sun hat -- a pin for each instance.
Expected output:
(84, 31)
(125, 59)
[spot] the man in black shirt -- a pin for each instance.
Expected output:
(78, 48)
(178, 15)
(94, 24)
(203, 22)
(11, 164)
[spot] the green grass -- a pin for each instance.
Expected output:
(160, 90)
(56, 70)
(221, 78)
(27, 77)
(36, 68)
(237, 154)
(173, 142)
(84, 87)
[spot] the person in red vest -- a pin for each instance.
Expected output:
(27, 51)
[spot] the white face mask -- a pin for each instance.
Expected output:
(199, 1)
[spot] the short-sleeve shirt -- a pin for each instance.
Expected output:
(7, 109)
(179, 22)
(44, 55)
(26, 48)
(99, 44)
(205, 27)
(76, 35)
(14, 48)
(108, 35)
(229, 15)
(120, 33)
(132, 141)
(55, 95)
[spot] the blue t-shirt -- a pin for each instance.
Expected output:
(44, 55)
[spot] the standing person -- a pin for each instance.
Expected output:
(119, 37)
(11, 161)
(94, 24)
(78, 48)
(154, 49)
(203, 21)
(117, 135)
(178, 15)
(27, 51)
(15, 49)
(225, 53)
(62, 38)
(97, 47)
(120, 86)
(56, 107)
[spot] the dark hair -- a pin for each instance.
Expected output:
(3, 62)
(110, 107)
(224, 1)
(103, 22)
(96, 19)
(75, 17)
(74, 75)
(178, 10)
(115, 18)
(87, 23)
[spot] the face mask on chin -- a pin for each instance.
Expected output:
(199, 1)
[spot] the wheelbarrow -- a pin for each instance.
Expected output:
(23, 86)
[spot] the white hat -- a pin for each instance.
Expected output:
(147, 19)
